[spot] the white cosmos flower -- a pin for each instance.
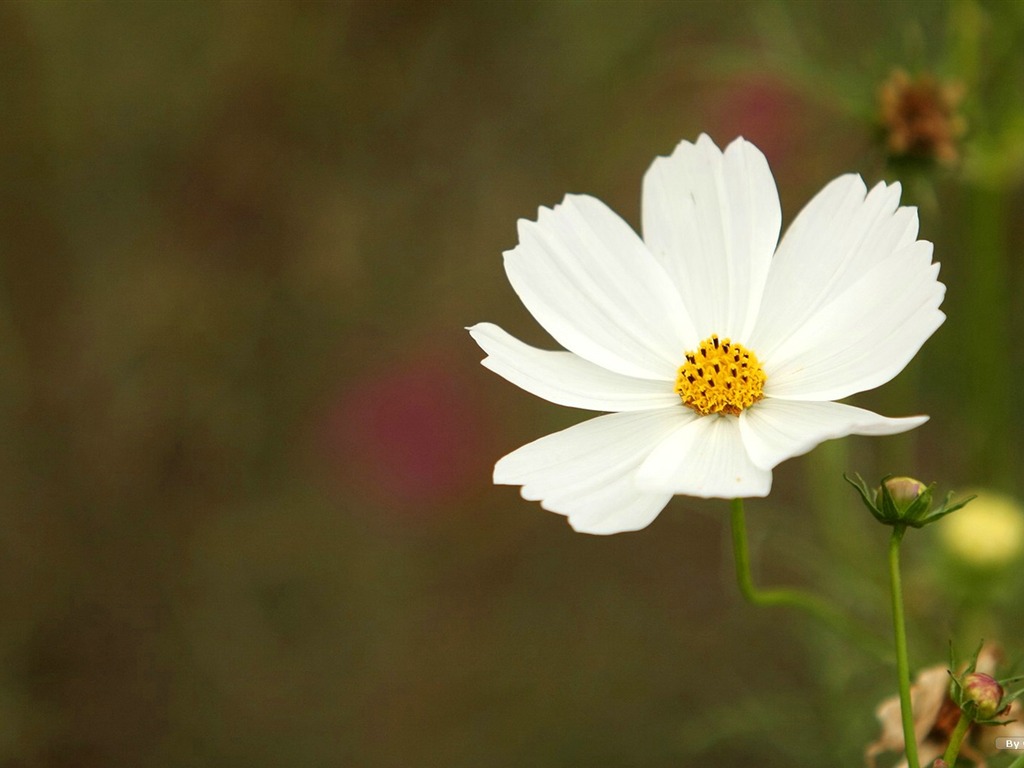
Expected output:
(841, 306)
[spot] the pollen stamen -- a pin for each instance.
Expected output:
(740, 378)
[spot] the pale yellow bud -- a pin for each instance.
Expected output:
(987, 533)
(904, 490)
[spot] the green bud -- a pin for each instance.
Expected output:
(904, 490)
(903, 501)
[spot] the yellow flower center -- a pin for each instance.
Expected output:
(720, 377)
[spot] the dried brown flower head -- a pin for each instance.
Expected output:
(920, 117)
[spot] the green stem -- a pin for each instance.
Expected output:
(794, 598)
(1018, 763)
(957, 739)
(899, 625)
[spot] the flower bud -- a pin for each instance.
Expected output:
(985, 692)
(903, 501)
(904, 490)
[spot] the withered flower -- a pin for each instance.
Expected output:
(920, 117)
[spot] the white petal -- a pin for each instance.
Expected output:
(706, 458)
(842, 232)
(866, 335)
(615, 507)
(839, 235)
(586, 472)
(851, 295)
(565, 378)
(776, 430)
(591, 282)
(713, 220)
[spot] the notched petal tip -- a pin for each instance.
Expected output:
(740, 144)
(703, 142)
(477, 332)
(846, 184)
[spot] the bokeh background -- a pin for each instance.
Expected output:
(246, 516)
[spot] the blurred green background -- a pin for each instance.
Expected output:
(245, 442)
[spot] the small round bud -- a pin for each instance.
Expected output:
(985, 692)
(904, 490)
(903, 501)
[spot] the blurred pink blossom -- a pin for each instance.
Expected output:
(410, 433)
(765, 111)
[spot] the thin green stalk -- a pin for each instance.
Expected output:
(957, 739)
(794, 598)
(1018, 763)
(899, 625)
